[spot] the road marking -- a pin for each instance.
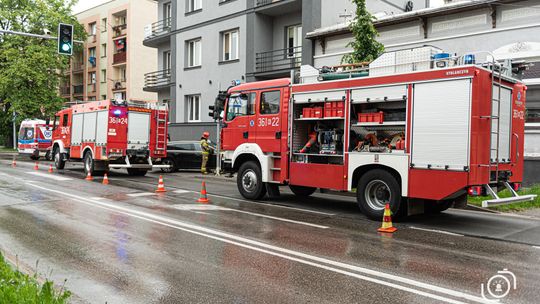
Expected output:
(50, 176)
(272, 205)
(537, 247)
(191, 207)
(288, 254)
(181, 191)
(278, 218)
(199, 212)
(97, 198)
(141, 194)
(436, 231)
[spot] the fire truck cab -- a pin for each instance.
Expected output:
(111, 134)
(418, 140)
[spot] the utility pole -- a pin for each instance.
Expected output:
(48, 37)
(14, 130)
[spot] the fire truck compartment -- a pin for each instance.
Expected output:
(138, 131)
(77, 129)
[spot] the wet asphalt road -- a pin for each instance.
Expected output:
(124, 244)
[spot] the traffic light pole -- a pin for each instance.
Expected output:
(218, 149)
(34, 35)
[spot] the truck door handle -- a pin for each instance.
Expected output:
(278, 135)
(246, 135)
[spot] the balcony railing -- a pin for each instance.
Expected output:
(92, 39)
(157, 79)
(158, 28)
(119, 85)
(265, 2)
(77, 67)
(65, 91)
(119, 57)
(91, 88)
(119, 30)
(78, 89)
(278, 60)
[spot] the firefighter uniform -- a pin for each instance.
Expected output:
(206, 149)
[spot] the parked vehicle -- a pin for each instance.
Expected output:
(112, 134)
(35, 139)
(417, 140)
(185, 155)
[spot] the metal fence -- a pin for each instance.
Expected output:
(156, 79)
(159, 28)
(277, 60)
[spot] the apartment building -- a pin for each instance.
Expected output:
(205, 45)
(113, 61)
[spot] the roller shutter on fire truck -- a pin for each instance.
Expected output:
(138, 130)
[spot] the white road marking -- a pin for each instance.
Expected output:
(288, 254)
(199, 212)
(181, 191)
(278, 218)
(50, 176)
(140, 194)
(537, 247)
(97, 198)
(436, 231)
(191, 207)
(272, 205)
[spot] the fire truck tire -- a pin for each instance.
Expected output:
(88, 162)
(59, 159)
(136, 172)
(249, 181)
(375, 189)
(301, 191)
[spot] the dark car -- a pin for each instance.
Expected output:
(186, 155)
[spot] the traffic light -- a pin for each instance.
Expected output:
(65, 39)
(219, 105)
(212, 112)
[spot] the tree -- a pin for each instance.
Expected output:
(365, 45)
(30, 68)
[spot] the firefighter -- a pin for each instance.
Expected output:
(206, 150)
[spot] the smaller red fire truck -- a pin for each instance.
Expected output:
(111, 134)
(419, 136)
(35, 139)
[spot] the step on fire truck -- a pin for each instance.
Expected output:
(111, 134)
(419, 135)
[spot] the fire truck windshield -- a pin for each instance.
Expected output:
(240, 105)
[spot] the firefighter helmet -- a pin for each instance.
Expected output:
(206, 135)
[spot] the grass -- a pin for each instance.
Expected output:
(477, 201)
(19, 288)
(6, 150)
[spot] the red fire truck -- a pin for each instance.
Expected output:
(111, 134)
(418, 140)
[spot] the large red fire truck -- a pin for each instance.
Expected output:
(111, 134)
(418, 140)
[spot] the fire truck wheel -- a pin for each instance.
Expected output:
(249, 181)
(136, 172)
(302, 191)
(59, 159)
(376, 188)
(88, 164)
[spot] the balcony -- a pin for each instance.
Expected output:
(155, 81)
(278, 61)
(156, 33)
(92, 39)
(78, 90)
(277, 7)
(77, 67)
(119, 57)
(65, 91)
(91, 89)
(119, 30)
(119, 85)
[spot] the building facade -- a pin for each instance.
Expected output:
(113, 60)
(203, 46)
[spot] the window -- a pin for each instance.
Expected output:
(230, 45)
(294, 41)
(92, 29)
(104, 25)
(167, 60)
(241, 105)
(103, 76)
(104, 50)
(92, 52)
(65, 120)
(92, 77)
(194, 108)
(103, 97)
(167, 13)
(194, 5)
(270, 102)
(123, 74)
(194, 53)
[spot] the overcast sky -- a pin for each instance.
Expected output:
(86, 4)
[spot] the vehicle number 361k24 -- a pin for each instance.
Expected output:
(269, 122)
(118, 120)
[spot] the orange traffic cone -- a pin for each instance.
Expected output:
(14, 163)
(204, 196)
(387, 221)
(160, 186)
(50, 169)
(36, 167)
(105, 179)
(89, 176)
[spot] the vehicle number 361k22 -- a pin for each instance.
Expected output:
(269, 122)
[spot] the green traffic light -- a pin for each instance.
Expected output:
(66, 47)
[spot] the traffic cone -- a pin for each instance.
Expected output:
(387, 221)
(160, 186)
(14, 163)
(105, 179)
(36, 167)
(50, 169)
(204, 196)
(89, 176)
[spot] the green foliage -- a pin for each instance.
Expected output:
(17, 287)
(477, 201)
(365, 45)
(30, 68)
